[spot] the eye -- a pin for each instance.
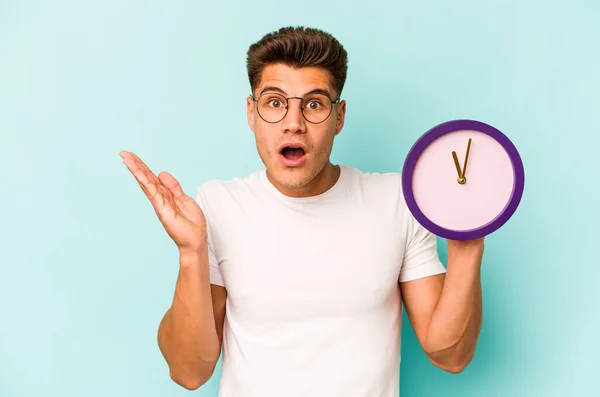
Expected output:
(313, 104)
(275, 103)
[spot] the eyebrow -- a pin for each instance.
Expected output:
(279, 90)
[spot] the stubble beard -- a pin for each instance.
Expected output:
(298, 177)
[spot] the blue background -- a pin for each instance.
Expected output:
(87, 270)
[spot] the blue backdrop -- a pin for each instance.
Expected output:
(87, 270)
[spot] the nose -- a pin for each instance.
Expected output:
(294, 120)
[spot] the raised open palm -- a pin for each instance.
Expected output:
(180, 215)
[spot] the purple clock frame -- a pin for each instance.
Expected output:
(445, 128)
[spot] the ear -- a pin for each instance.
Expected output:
(341, 115)
(250, 112)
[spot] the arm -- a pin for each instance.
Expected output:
(445, 310)
(191, 332)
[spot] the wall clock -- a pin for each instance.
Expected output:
(463, 179)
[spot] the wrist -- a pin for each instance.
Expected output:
(467, 249)
(191, 257)
(197, 246)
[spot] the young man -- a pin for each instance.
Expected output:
(297, 272)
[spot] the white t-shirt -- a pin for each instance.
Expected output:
(314, 306)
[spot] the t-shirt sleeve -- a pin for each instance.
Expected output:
(421, 258)
(213, 264)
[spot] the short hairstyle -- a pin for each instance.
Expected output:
(298, 47)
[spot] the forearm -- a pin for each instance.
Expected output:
(187, 334)
(455, 325)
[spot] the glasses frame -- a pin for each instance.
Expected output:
(287, 107)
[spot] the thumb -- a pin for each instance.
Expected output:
(171, 183)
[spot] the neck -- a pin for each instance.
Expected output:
(321, 183)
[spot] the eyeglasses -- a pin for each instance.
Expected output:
(273, 107)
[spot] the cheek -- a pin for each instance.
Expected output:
(324, 140)
(264, 140)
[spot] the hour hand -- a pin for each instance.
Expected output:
(460, 175)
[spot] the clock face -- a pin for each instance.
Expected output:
(463, 179)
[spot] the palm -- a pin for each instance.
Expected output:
(180, 215)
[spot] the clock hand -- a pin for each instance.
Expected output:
(456, 164)
(461, 179)
(466, 159)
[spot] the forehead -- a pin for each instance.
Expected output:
(295, 81)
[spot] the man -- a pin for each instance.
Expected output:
(298, 271)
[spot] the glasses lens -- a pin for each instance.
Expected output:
(272, 107)
(316, 107)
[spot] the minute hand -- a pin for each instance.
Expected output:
(464, 168)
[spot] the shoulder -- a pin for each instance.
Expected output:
(380, 191)
(358, 174)
(214, 192)
(387, 183)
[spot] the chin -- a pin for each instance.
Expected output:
(291, 177)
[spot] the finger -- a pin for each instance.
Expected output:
(141, 170)
(149, 187)
(145, 169)
(140, 167)
(135, 169)
(172, 184)
(164, 205)
(160, 196)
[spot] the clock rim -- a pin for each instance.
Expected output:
(451, 126)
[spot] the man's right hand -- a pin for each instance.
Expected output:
(180, 215)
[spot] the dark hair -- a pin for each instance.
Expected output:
(298, 47)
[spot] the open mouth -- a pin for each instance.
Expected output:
(292, 153)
